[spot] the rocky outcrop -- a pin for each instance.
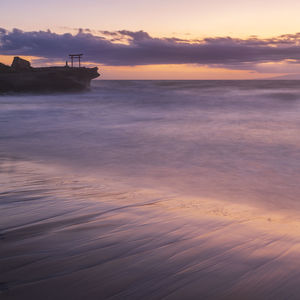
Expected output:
(4, 68)
(21, 77)
(20, 64)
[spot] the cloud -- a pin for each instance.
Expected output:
(127, 48)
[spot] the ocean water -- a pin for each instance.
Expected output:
(152, 190)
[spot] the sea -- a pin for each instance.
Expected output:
(151, 190)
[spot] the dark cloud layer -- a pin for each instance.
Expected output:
(124, 47)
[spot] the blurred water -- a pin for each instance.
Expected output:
(228, 140)
(151, 190)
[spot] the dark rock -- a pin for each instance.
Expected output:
(21, 77)
(4, 68)
(20, 64)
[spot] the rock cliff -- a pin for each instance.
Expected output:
(21, 77)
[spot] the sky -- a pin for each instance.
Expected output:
(131, 39)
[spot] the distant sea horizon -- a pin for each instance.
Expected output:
(283, 77)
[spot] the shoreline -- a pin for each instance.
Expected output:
(81, 239)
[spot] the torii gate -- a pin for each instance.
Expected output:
(72, 56)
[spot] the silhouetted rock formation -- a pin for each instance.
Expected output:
(20, 64)
(21, 77)
(4, 68)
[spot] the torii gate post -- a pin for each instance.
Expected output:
(72, 56)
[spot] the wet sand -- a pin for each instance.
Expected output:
(151, 190)
(136, 244)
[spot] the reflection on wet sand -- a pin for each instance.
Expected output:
(75, 237)
(151, 190)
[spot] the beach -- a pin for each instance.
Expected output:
(151, 190)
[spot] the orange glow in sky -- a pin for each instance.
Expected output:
(190, 19)
(178, 72)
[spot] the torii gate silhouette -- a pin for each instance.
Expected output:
(72, 56)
